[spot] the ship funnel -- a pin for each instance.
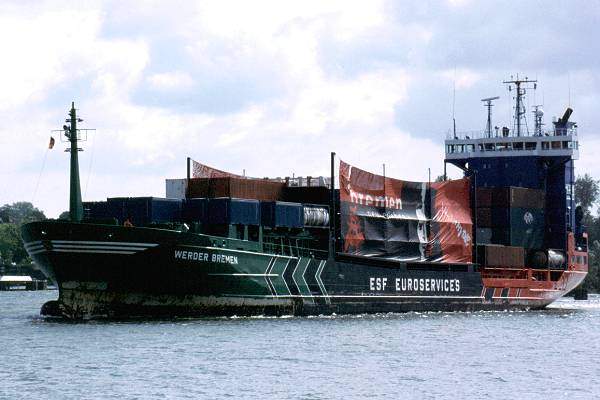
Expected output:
(565, 118)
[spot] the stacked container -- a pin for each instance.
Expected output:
(195, 210)
(140, 210)
(259, 189)
(510, 216)
(501, 256)
(279, 214)
(228, 211)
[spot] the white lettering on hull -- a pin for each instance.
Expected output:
(378, 284)
(206, 257)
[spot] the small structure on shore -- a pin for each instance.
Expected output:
(21, 282)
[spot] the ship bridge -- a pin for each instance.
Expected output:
(559, 142)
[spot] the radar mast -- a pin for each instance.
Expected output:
(489, 105)
(520, 88)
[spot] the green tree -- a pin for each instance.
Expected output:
(586, 192)
(11, 245)
(592, 280)
(64, 215)
(20, 213)
(13, 216)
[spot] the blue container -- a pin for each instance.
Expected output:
(226, 210)
(146, 210)
(117, 208)
(195, 210)
(96, 210)
(281, 214)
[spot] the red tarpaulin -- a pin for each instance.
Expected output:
(200, 170)
(391, 218)
(451, 223)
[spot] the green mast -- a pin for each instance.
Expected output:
(75, 204)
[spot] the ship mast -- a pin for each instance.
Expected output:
(519, 108)
(75, 204)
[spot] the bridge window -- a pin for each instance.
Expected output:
(568, 189)
(545, 145)
(530, 145)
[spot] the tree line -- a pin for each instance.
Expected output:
(587, 192)
(587, 196)
(12, 216)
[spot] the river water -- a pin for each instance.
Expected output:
(500, 355)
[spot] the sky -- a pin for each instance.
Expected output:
(272, 87)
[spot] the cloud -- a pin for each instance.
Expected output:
(273, 87)
(171, 81)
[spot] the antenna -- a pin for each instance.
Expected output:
(453, 104)
(489, 105)
(520, 93)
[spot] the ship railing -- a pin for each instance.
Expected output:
(507, 133)
(292, 247)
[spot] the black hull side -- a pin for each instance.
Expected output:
(117, 272)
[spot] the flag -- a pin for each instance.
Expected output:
(51, 144)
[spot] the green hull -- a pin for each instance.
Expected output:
(120, 272)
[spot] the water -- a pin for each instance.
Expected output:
(548, 354)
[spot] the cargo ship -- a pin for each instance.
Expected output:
(505, 236)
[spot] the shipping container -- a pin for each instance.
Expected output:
(96, 210)
(281, 214)
(195, 210)
(493, 217)
(492, 255)
(484, 235)
(527, 227)
(233, 211)
(501, 236)
(175, 188)
(484, 218)
(117, 208)
(145, 210)
(484, 197)
(241, 188)
(506, 197)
